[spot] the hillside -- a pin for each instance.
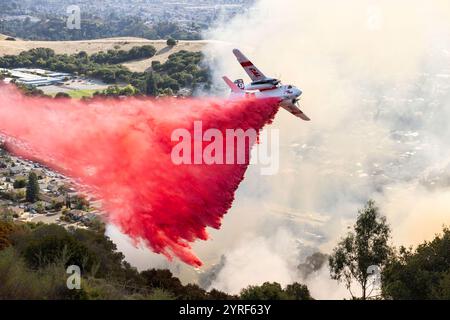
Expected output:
(92, 46)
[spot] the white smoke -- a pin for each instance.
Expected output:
(376, 80)
(375, 76)
(276, 254)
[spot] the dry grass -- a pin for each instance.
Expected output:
(92, 46)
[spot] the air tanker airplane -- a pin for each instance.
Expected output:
(264, 87)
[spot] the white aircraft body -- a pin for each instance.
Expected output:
(263, 87)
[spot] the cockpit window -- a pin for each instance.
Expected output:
(289, 87)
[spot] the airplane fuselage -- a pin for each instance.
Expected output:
(287, 94)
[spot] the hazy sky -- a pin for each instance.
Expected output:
(376, 80)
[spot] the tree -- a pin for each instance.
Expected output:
(32, 192)
(267, 291)
(62, 95)
(49, 244)
(274, 291)
(116, 91)
(40, 208)
(364, 247)
(167, 92)
(215, 294)
(79, 202)
(156, 65)
(171, 42)
(19, 183)
(151, 88)
(422, 274)
(193, 292)
(297, 291)
(82, 55)
(128, 90)
(162, 279)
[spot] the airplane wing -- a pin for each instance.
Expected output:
(296, 112)
(254, 73)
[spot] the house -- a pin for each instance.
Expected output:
(16, 169)
(77, 215)
(51, 198)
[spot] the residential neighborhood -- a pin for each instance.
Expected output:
(183, 12)
(58, 199)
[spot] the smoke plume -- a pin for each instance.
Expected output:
(375, 77)
(121, 149)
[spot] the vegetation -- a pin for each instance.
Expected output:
(115, 91)
(32, 192)
(34, 258)
(77, 94)
(171, 42)
(119, 56)
(54, 28)
(274, 291)
(423, 273)
(7, 228)
(182, 69)
(364, 247)
(78, 203)
(100, 65)
(29, 90)
(19, 183)
(62, 95)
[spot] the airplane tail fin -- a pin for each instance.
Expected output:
(232, 85)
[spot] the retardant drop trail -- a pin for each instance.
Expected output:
(121, 149)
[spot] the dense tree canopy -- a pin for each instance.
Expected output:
(423, 273)
(274, 291)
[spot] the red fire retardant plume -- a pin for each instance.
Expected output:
(121, 149)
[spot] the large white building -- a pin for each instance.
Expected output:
(35, 77)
